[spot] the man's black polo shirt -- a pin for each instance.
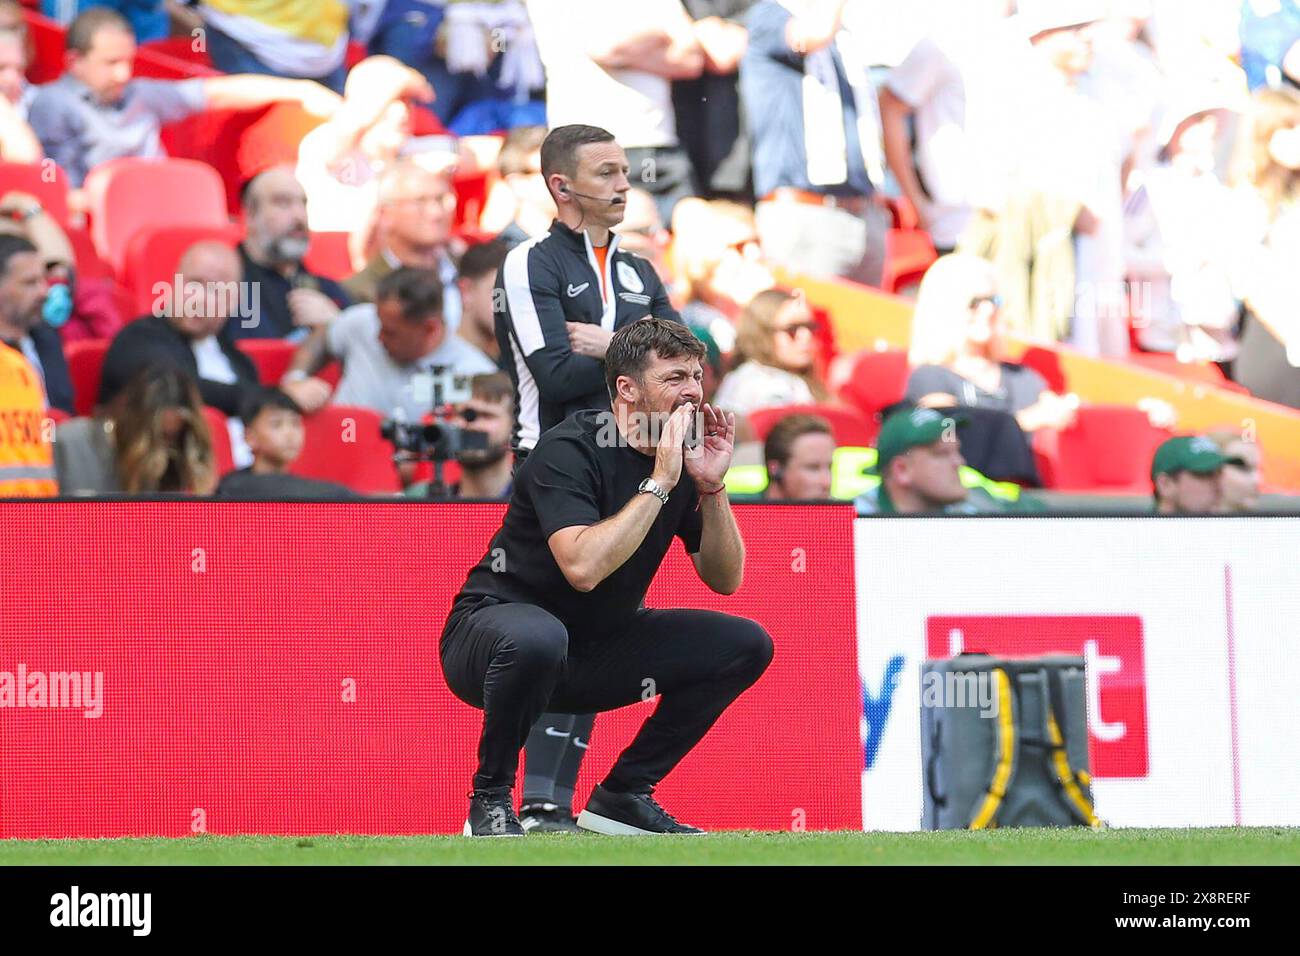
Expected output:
(275, 319)
(576, 476)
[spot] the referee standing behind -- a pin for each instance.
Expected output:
(557, 301)
(560, 623)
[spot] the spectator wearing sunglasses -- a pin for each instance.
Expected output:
(956, 352)
(777, 346)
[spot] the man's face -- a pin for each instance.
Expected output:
(667, 384)
(601, 172)
(931, 472)
(1240, 486)
(211, 293)
(492, 419)
(1190, 493)
(276, 436)
(404, 340)
(106, 67)
(23, 289)
(807, 474)
(476, 302)
(419, 209)
(13, 66)
(277, 216)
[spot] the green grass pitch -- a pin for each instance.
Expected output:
(1205, 847)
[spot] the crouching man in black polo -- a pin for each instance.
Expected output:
(551, 619)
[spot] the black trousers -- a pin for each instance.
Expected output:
(515, 661)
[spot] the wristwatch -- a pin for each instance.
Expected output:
(651, 487)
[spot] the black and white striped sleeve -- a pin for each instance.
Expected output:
(531, 287)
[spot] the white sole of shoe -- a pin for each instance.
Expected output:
(595, 823)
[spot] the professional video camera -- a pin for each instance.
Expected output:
(436, 441)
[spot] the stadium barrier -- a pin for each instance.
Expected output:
(1189, 630)
(272, 667)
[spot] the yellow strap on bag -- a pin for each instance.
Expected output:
(1066, 776)
(985, 817)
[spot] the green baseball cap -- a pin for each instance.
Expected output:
(905, 430)
(1194, 453)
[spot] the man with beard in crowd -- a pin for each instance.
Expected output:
(292, 299)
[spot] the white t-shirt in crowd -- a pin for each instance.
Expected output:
(961, 84)
(636, 106)
(215, 367)
(371, 378)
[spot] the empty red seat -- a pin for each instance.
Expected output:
(85, 363)
(908, 254)
(271, 356)
(220, 432)
(343, 445)
(878, 380)
(46, 181)
(328, 256)
(1107, 449)
(128, 195)
(154, 252)
(850, 427)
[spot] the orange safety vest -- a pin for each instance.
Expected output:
(26, 454)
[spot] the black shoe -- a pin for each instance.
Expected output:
(546, 818)
(628, 814)
(492, 813)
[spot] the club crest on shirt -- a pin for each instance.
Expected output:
(628, 278)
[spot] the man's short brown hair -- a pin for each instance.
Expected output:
(88, 24)
(780, 440)
(494, 387)
(629, 350)
(560, 148)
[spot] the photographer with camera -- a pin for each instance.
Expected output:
(387, 348)
(485, 464)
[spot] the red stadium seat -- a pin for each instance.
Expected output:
(344, 446)
(851, 427)
(878, 380)
(89, 264)
(1108, 449)
(328, 256)
(1204, 373)
(178, 48)
(128, 195)
(221, 449)
(48, 46)
(1047, 363)
(154, 252)
(85, 362)
(271, 356)
(908, 254)
(46, 181)
(471, 196)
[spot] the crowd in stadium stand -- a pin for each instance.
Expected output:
(1118, 179)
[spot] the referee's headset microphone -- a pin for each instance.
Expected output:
(615, 200)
